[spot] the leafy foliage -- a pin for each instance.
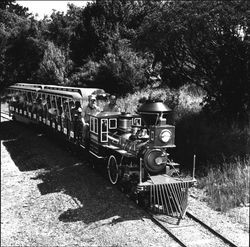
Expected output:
(14, 31)
(122, 70)
(54, 66)
(118, 45)
(21, 64)
(13, 7)
(85, 75)
(203, 43)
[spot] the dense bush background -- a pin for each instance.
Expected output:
(194, 55)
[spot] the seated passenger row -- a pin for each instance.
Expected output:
(60, 111)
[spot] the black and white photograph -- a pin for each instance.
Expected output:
(125, 123)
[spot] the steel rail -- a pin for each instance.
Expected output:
(165, 229)
(191, 216)
(218, 235)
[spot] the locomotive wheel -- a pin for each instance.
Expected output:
(113, 171)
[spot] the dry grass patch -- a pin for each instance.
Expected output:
(228, 185)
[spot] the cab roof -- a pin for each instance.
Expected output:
(26, 87)
(84, 92)
(73, 95)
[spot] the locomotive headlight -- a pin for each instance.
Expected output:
(165, 136)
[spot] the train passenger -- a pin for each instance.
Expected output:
(29, 102)
(25, 102)
(77, 121)
(60, 112)
(112, 106)
(21, 100)
(91, 109)
(39, 107)
(52, 109)
(65, 116)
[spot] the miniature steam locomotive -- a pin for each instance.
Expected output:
(134, 148)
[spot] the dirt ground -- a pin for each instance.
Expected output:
(51, 197)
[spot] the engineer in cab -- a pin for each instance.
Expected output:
(112, 106)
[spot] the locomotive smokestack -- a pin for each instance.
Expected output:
(152, 112)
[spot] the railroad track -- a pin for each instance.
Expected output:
(190, 231)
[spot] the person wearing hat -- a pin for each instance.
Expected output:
(91, 109)
(112, 106)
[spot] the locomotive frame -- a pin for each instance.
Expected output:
(134, 148)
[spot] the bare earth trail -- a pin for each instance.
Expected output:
(51, 198)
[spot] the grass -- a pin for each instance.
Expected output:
(228, 185)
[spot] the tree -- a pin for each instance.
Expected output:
(85, 75)
(61, 26)
(54, 67)
(122, 70)
(22, 63)
(103, 21)
(12, 7)
(203, 43)
(24, 52)
(11, 25)
(5, 4)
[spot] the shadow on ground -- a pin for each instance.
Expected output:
(10, 130)
(98, 200)
(27, 146)
(66, 173)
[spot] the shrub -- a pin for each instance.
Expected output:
(190, 101)
(228, 185)
(131, 102)
(210, 139)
